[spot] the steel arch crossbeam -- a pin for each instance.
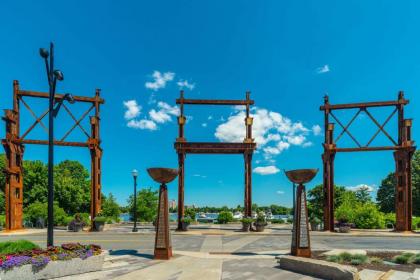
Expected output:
(403, 151)
(14, 147)
(246, 148)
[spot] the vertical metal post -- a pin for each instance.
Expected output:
(328, 164)
(50, 230)
(181, 159)
(135, 204)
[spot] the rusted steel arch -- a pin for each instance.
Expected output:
(246, 148)
(15, 141)
(403, 149)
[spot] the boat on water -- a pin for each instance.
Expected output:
(202, 215)
(238, 215)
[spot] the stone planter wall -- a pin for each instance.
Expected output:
(55, 269)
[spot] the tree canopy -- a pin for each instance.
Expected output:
(386, 191)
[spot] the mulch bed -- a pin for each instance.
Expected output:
(385, 256)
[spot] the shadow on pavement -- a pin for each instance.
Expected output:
(131, 253)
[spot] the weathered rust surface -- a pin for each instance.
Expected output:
(14, 148)
(403, 149)
(183, 147)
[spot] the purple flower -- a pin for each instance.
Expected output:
(40, 261)
(15, 261)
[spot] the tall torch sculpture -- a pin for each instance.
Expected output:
(301, 244)
(163, 244)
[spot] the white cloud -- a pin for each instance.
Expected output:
(323, 69)
(266, 170)
(204, 124)
(369, 188)
(273, 132)
(280, 192)
(133, 109)
(171, 110)
(159, 80)
(210, 117)
(316, 129)
(198, 175)
(164, 112)
(159, 116)
(185, 84)
(142, 124)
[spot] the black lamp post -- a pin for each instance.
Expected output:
(135, 173)
(53, 76)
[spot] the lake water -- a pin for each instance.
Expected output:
(125, 217)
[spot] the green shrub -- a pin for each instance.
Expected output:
(2, 220)
(408, 254)
(261, 220)
(389, 218)
(401, 259)
(356, 262)
(38, 210)
(367, 216)
(186, 219)
(277, 221)
(68, 219)
(85, 218)
(346, 212)
(375, 260)
(415, 223)
(190, 212)
(13, 247)
(289, 220)
(100, 219)
(416, 259)
(345, 256)
(247, 221)
(333, 258)
(360, 257)
(224, 217)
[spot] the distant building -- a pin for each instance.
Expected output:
(172, 204)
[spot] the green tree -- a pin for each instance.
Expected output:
(386, 191)
(225, 217)
(72, 186)
(147, 203)
(110, 207)
(316, 200)
(363, 195)
(2, 175)
(35, 182)
(386, 194)
(346, 211)
(38, 210)
(190, 212)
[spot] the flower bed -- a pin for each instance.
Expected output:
(51, 262)
(376, 260)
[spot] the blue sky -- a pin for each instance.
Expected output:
(289, 54)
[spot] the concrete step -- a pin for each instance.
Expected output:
(369, 274)
(397, 275)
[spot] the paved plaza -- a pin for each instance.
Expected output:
(211, 252)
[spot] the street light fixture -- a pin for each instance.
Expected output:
(53, 76)
(135, 174)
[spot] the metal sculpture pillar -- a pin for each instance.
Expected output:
(14, 166)
(328, 178)
(246, 148)
(403, 192)
(14, 147)
(301, 244)
(96, 157)
(163, 244)
(403, 148)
